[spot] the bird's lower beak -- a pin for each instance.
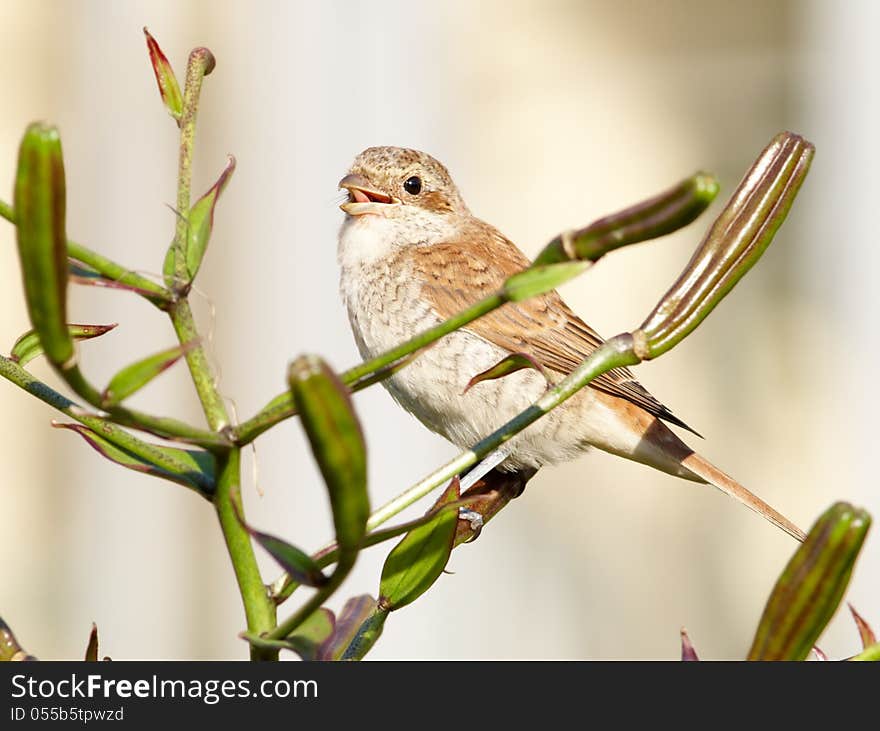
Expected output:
(364, 199)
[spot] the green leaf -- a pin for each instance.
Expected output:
(92, 647)
(42, 243)
(307, 640)
(293, 560)
(808, 592)
(137, 375)
(736, 240)
(195, 469)
(511, 364)
(350, 636)
(201, 221)
(335, 436)
(28, 347)
(669, 211)
(417, 561)
(169, 89)
(540, 279)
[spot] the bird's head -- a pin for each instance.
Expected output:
(395, 182)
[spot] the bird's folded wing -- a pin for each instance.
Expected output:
(456, 275)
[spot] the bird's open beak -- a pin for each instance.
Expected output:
(363, 199)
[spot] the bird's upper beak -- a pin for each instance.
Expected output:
(363, 198)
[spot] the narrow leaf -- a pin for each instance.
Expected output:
(92, 648)
(192, 468)
(201, 221)
(137, 375)
(865, 632)
(688, 653)
(307, 640)
(417, 561)
(736, 240)
(296, 562)
(511, 364)
(667, 212)
(808, 592)
(28, 347)
(349, 628)
(335, 436)
(540, 279)
(165, 78)
(42, 243)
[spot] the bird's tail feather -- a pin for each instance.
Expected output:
(711, 474)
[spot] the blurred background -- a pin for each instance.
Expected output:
(548, 115)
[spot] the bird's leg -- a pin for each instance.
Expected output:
(476, 473)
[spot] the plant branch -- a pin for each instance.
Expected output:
(258, 607)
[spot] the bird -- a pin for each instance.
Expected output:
(411, 254)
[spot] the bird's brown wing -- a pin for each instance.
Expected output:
(458, 274)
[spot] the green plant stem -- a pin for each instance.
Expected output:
(111, 432)
(200, 63)
(152, 292)
(259, 609)
(199, 366)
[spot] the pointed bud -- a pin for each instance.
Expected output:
(169, 89)
(688, 653)
(92, 647)
(808, 592)
(735, 242)
(671, 210)
(42, 242)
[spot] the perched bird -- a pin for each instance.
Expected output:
(412, 255)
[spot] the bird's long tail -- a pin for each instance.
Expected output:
(711, 474)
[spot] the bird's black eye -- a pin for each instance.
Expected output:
(413, 185)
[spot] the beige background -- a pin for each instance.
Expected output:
(548, 114)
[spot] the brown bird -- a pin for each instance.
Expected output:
(412, 255)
